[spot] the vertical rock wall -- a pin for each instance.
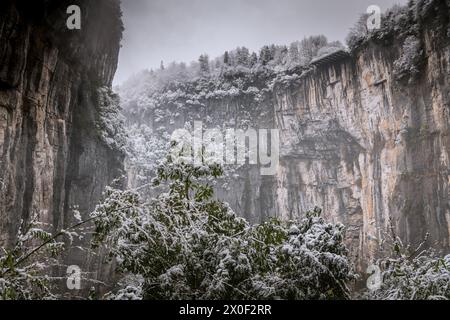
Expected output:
(367, 146)
(51, 157)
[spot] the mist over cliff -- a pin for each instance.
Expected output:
(363, 131)
(351, 167)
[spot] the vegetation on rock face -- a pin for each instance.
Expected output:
(110, 121)
(239, 71)
(185, 245)
(235, 73)
(399, 22)
(159, 101)
(405, 24)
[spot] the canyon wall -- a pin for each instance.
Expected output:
(369, 149)
(52, 158)
(364, 134)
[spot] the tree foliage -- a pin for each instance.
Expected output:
(25, 269)
(186, 245)
(412, 274)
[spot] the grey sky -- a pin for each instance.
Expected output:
(181, 30)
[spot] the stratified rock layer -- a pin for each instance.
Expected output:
(51, 158)
(365, 142)
(369, 148)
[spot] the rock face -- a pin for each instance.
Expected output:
(369, 147)
(51, 157)
(365, 136)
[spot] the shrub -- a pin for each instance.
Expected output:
(413, 274)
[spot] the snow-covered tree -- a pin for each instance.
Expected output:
(242, 56)
(253, 59)
(204, 64)
(110, 122)
(407, 274)
(265, 55)
(358, 33)
(399, 22)
(226, 58)
(185, 245)
(26, 267)
(23, 279)
(309, 47)
(294, 54)
(408, 66)
(280, 56)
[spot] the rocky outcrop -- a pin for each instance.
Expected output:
(52, 159)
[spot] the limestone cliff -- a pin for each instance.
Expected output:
(52, 159)
(364, 133)
(370, 146)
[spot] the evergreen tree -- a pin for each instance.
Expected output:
(226, 58)
(294, 55)
(204, 64)
(253, 59)
(281, 55)
(243, 56)
(265, 55)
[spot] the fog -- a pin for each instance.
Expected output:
(181, 30)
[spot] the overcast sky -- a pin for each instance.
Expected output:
(181, 30)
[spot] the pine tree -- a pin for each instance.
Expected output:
(226, 58)
(309, 47)
(243, 56)
(204, 64)
(265, 55)
(253, 59)
(294, 56)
